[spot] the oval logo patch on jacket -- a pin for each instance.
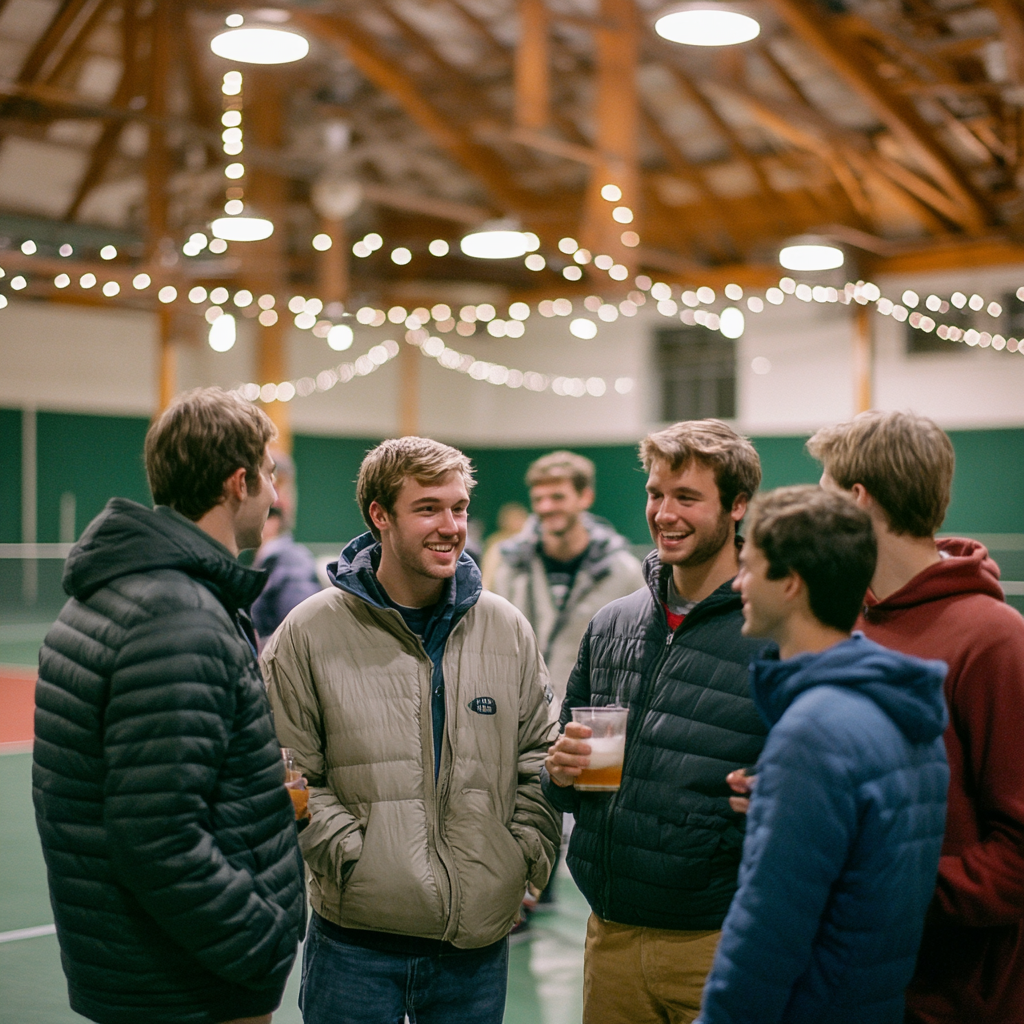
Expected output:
(483, 706)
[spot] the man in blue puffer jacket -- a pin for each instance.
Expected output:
(846, 821)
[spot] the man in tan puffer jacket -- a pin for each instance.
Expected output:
(418, 707)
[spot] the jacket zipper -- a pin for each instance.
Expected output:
(648, 696)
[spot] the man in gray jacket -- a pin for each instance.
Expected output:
(566, 564)
(418, 708)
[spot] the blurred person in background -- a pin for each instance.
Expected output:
(940, 598)
(512, 518)
(169, 838)
(845, 825)
(657, 860)
(561, 569)
(291, 569)
(417, 705)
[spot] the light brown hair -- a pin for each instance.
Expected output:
(731, 457)
(386, 467)
(197, 442)
(905, 462)
(562, 465)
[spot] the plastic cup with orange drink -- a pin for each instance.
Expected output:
(607, 747)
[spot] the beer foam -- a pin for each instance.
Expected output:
(606, 751)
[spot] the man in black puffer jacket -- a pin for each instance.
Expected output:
(658, 860)
(175, 875)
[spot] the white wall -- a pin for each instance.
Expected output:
(82, 359)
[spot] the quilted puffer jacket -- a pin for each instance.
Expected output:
(842, 844)
(170, 845)
(388, 848)
(664, 851)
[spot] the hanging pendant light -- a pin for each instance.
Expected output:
(499, 240)
(242, 229)
(260, 45)
(707, 24)
(810, 253)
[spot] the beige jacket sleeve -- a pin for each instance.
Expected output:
(535, 824)
(333, 840)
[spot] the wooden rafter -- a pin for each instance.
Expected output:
(66, 21)
(106, 145)
(845, 56)
(364, 52)
(56, 67)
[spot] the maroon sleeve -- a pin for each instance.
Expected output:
(981, 881)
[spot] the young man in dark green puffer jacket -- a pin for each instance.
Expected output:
(658, 860)
(169, 838)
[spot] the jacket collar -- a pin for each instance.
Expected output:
(907, 689)
(656, 575)
(355, 572)
(127, 538)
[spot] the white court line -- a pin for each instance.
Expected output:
(28, 933)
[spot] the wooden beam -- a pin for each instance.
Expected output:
(266, 261)
(863, 360)
(70, 16)
(616, 132)
(157, 174)
(106, 145)
(385, 73)
(951, 255)
(83, 29)
(845, 56)
(532, 63)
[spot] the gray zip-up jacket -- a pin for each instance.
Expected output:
(609, 571)
(390, 850)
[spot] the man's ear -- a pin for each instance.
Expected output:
(792, 585)
(739, 507)
(861, 498)
(235, 487)
(379, 516)
(587, 494)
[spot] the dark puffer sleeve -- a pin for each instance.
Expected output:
(175, 718)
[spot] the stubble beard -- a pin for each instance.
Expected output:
(708, 549)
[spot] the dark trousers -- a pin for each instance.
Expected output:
(345, 983)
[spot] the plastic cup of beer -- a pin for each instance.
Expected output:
(607, 747)
(294, 783)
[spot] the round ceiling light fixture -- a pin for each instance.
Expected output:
(707, 24)
(242, 229)
(260, 45)
(809, 254)
(497, 240)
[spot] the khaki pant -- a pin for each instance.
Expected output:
(644, 975)
(265, 1019)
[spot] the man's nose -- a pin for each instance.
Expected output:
(448, 524)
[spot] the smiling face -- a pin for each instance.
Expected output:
(765, 608)
(558, 505)
(685, 516)
(425, 534)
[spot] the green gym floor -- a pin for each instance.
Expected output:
(545, 982)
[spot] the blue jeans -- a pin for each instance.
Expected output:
(343, 983)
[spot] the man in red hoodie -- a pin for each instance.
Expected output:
(942, 599)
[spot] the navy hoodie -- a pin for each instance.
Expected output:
(842, 843)
(356, 572)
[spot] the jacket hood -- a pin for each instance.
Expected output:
(604, 543)
(965, 568)
(128, 538)
(907, 689)
(355, 571)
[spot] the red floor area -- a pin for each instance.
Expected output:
(17, 705)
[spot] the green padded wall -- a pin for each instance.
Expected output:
(326, 468)
(94, 457)
(10, 476)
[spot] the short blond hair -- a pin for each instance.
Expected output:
(386, 467)
(730, 456)
(904, 461)
(562, 465)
